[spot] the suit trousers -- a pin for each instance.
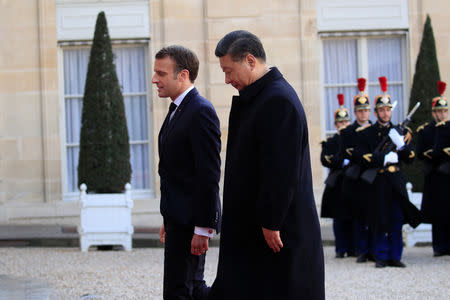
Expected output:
(441, 238)
(183, 271)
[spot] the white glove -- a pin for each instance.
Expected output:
(345, 162)
(397, 139)
(391, 158)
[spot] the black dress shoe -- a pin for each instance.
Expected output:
(437, 254)
(362, 258)
(380, 264)
(396, 263)
(340, 255)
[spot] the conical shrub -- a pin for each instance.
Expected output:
(423, 89)
(104, 159)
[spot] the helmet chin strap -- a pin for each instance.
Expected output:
(435, 115)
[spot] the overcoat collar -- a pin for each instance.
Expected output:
(250, 92)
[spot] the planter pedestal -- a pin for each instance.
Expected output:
(105, 219)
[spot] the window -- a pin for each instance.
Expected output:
(131, 65)
(347, 58)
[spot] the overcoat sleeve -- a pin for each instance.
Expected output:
(206, 145)
(280, 143)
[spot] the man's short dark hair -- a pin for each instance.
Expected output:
(238, 44)
(184, 58)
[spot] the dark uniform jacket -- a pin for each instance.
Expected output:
(354, 189)
(333, 205)
(433, 148)
(424, 150)
(268, 184)
(389, 184)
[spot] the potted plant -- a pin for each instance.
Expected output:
(104, 167)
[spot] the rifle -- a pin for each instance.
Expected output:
(353, 171)
(444, 168)
(386, 146)
(333, 177)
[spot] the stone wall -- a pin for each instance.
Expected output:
(30, 107)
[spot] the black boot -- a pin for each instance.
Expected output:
(396, 263)
(380, 264)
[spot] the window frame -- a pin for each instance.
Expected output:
(148, 193)
(363, 68)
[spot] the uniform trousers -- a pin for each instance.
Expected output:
(183, 271)
(389, 245)
(344, 235)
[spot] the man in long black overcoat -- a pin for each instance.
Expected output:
(270, 245)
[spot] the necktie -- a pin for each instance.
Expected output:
(165, 126)
(172, 107)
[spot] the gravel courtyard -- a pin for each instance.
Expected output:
(138, 274)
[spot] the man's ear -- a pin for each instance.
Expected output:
(184, 75)
(250, 60)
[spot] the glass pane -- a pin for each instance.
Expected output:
(72, 168)
(73, 119)
(331, 103)
(340, 61)
(136, 112)
(130, 66)
(140, 177)
(75, 70)
(385, 59)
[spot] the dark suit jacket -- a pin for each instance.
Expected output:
(189, 166)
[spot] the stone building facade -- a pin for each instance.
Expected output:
(316, 44)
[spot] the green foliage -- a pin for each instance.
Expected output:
(104, 159)
(424, 88)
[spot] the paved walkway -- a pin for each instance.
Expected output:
(67, 273)
(47, 237)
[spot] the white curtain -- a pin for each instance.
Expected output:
(130, 66)
(385, 59)
(340, 74)
(341, 70)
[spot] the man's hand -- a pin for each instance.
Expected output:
(199, 244)
(273, 239)
(162, 234)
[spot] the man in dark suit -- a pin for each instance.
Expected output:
(270, 245)
(189, 168)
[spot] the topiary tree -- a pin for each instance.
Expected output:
(423, 89)
(104, 159)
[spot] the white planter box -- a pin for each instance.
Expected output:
(105, 219)
(421, 233)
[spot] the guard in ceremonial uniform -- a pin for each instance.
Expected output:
(333, 203)
(433, 147)
(354, 190)
(383, 147)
